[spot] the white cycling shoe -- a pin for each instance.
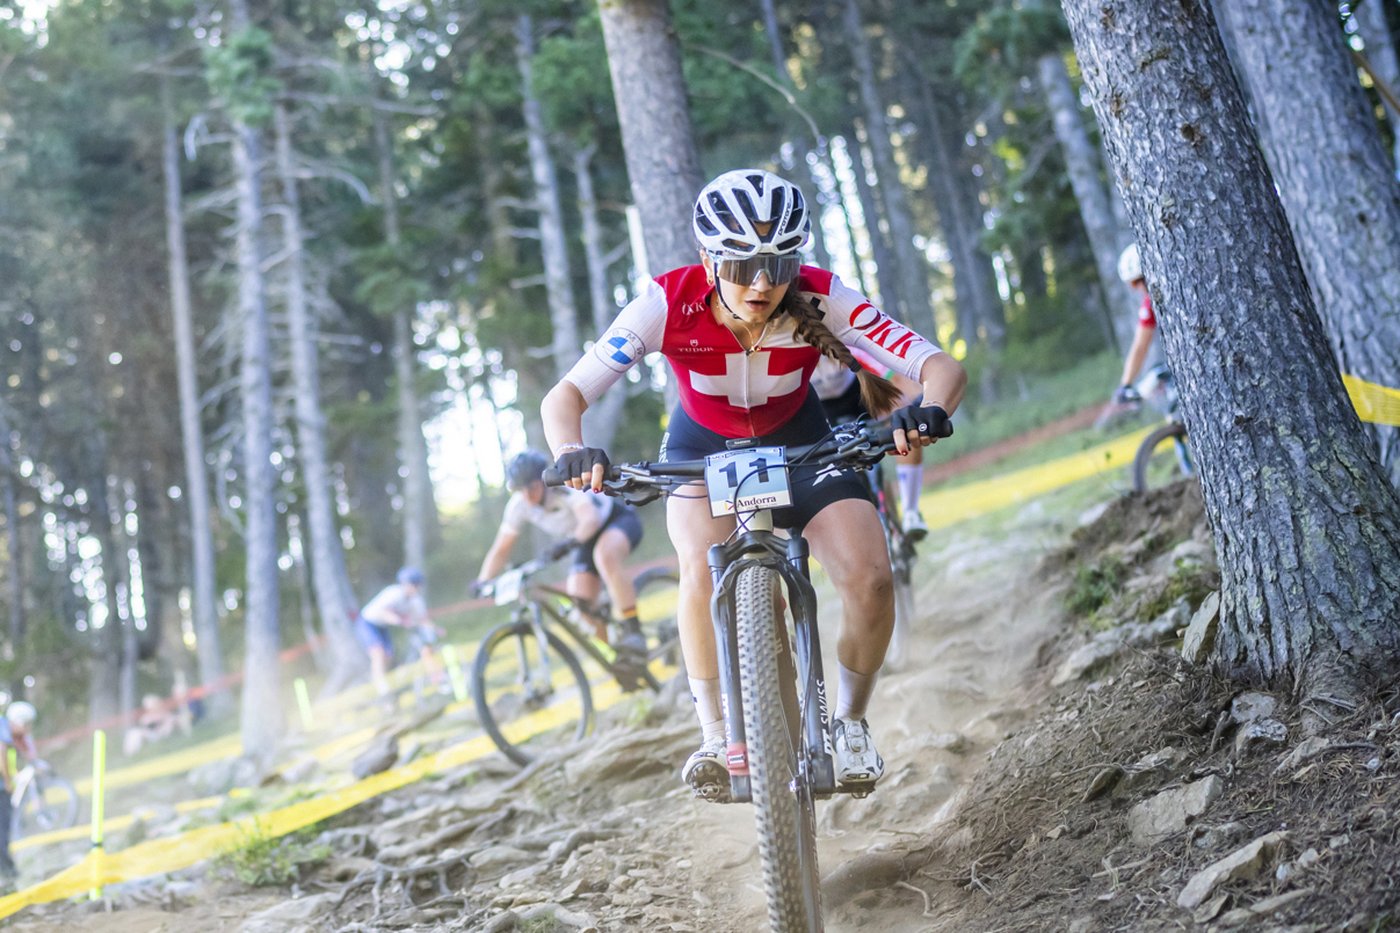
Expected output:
(914, 526)
(705, 771)
(857, 763)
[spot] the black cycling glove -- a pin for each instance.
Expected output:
(480, 588)
(924, 420)
(1126, 395)
(573, 464)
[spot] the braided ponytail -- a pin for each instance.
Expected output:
(879, 394)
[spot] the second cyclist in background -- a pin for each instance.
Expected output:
(1130, 271)
(596, 532)
(839, 389)
(398, 605)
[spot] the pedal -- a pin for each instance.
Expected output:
(711, 791)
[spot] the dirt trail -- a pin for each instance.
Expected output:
(607, 833)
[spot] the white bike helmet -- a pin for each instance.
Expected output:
(1130, 264)
(21, 713)
(730, 208)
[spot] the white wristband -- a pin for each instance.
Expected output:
(566, 448)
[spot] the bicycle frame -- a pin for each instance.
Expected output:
(23, 778)
(758, 545)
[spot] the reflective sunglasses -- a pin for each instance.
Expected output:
(780, 269)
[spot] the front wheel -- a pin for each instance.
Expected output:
(783, 806)
(529, 693)
(1162, 458)
(49, 803)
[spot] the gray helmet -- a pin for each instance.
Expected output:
(21, 713)
(525, 468)
(410, 575)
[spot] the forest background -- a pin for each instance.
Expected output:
(281, 283)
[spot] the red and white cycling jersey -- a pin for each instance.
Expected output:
(725, 389)
(1146, 316)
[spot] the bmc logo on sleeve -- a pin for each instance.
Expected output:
(619, 349)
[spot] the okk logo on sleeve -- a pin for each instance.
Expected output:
(619, 349)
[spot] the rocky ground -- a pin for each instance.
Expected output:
(1054, 763)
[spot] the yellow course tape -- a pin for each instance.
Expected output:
(950, 506)
(1374, 403)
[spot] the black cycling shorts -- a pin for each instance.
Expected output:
(813, 488)
(624, 519)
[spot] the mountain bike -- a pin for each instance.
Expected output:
(771, 679)
(1163, 456)
(529, 685)
(42, 801)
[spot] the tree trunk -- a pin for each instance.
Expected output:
(262, 719)
(413, 458)
(601, 419)
(663, 166)
(1380, 52)
(14, 546)
(885, 288)
(327, 561)
(909, 278)
(1335, 179)
(1306, 526)
(981, 317)
(1095, 210)
(563, 312)
(208, 645)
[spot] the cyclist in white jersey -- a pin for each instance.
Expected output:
(599, 533)
(742, 332)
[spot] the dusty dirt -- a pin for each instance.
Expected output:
(1007, 803)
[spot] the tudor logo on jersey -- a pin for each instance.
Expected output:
(619, 349)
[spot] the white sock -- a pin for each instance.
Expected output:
(707, 706)
(853, 692)
(911, 483)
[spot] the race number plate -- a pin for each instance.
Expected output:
(747, 480)
(507, 588)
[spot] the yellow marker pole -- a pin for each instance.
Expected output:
(454, 672)
(308, 722)
(99, 771)
(12, 759)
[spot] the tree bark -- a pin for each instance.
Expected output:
(1335, 179)
(327, 560)
(262, 718)
(909, 279)
(208, 644)
(563, 312)
(885, 288)
(658, 141)
(1095, 209)
(413, 457)
(601, 419)
(1305, 524)
(1380, 52)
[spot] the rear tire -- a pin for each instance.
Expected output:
(1159, 458)
(658, 589)
(50, 803)
(784, 813)
(523, 715)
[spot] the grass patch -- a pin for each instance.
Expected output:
(1190, 581)
(1095, 585)
(260, 859)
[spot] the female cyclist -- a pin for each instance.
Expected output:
(743, 331)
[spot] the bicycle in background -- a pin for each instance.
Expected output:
(765, 618)
(528, 683)
(1163, 456)
(42, 801)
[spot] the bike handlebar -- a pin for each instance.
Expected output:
(858, 443)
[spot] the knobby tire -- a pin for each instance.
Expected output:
(500, 652)
(783, 808)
